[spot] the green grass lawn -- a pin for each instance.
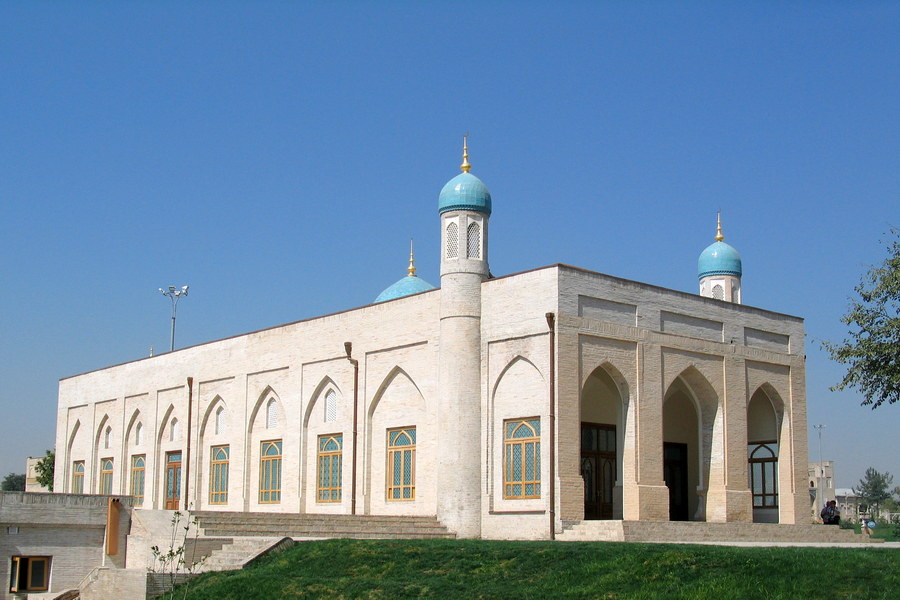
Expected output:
(461, 569)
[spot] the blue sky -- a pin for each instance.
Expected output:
(278, 156)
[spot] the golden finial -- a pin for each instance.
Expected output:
(465, 166)
(411, 269)
(719, 236)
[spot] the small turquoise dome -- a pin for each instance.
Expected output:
(465, 192)
(719, 259)
(409, 285)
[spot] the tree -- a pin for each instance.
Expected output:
(872, 350)
(44, 468)
(14, 482)
(874, 489)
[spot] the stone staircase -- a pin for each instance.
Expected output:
(280, 525)
(699, 532)
(240, 552)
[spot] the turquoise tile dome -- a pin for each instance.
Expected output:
(465, 192)
(409, 285)
(719, 259)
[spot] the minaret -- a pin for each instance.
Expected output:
(465, 208)
(719, 269)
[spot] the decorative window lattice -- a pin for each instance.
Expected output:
(764, 474)
(106, 476)
(220, 420)
(138, 464)
(473, 236)
(718, 292)
(329, 469)
(271, 414)
(452, 240)
(78, 477)
(330, 406)
(270, 472)
(522, 458)
(218, 474)
(401, 464)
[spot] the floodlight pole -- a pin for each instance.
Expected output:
(820, 494)
(174, 294)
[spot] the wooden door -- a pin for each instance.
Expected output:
(173, 480)
(598, 469)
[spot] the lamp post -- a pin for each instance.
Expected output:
(820, 491)
(174, 293)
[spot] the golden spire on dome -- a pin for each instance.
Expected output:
(719, 236)
(465, 166)
(411, 269)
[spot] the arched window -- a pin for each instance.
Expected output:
(401, 463)
(452, 240)
(718, 292)
(218, 474)
(763, 474)
(522, 458)
(219, 420)
(138, 434)
(106, 476)
(271, 414)
(473, 235)
(330, 406)
(106, 436)
(78, 477)
(173, 430)
(138, 464)
(328, 488)
(270, 472)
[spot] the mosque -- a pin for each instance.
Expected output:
(507, 407)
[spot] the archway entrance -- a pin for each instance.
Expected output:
(762, 456)
(602, 425)
(681, 452)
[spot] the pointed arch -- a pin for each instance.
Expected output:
(164, 424)
(701, 434)
(210, 414)
(262, 402)
(319, 392)
(101, 428)
(511, 364)
(71, 442)
(603, 411)
(131, 430)
(766, 437)
(396, 374)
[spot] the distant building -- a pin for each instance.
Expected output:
(31, 475)
(504, 406)
(821, 486)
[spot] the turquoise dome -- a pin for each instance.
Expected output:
(465, 192)
(409, 285)
(719, 259)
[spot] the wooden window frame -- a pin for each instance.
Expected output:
(327, 489)
(270, 464)
(218, 474)
(138, 476)
(16, 566)
(394, 492)
(105, 482)
(77, 478)
(527, 446)
(769, 493)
